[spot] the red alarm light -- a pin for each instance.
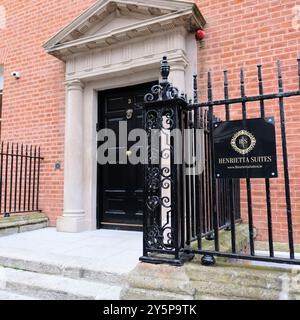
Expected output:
(200, 34)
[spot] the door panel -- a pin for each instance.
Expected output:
(120, 186)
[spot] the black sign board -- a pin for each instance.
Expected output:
(245, 149)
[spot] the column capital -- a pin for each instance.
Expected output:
(74, 85)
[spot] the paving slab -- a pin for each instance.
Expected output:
(51, 287)
(114, 252)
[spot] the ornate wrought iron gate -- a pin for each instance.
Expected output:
(185, 202)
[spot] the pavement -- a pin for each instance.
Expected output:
(109, 251)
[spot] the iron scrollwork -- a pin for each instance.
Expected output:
(159, 204)
(165, 90)
(161, 115)
(158, 93)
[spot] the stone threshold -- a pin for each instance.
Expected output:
(22, 223)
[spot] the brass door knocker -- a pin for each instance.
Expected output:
(129, 114)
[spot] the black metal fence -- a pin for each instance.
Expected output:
(19, 178)
(200, 205)
(198, 187)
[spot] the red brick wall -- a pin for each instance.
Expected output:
(238, 32)
(245, 33)
(33, 107)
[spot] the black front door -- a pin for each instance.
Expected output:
(120, 186)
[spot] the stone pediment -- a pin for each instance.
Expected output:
(108, 22)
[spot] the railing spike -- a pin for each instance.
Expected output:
(195, 88)
(226, 93)
(242, 75)
(225, 71)
(280, 81)
(259, 67)
(261, 89)
(242, 82)
(209, 86)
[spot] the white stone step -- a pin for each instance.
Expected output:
(7, 295)
(70, 267)
(52, 287)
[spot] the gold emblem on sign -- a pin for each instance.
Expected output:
(243, 142)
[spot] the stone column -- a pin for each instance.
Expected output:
(177, 74)
(73, 219)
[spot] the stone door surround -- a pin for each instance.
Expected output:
(115, 44)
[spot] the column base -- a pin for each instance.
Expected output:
(71, 224)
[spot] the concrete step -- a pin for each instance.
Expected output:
(59, 265)
(53, 287)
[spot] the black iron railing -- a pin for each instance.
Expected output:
(200, 204)
(243, 101)
(19, 178)
(198, 194)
